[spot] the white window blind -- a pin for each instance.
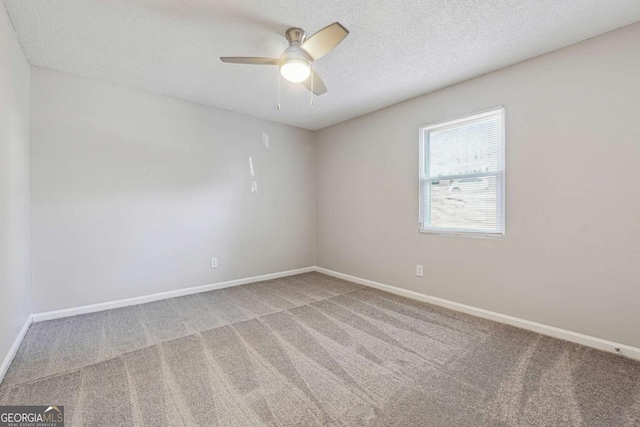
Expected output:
(462, 175)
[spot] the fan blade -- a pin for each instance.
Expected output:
(319, 87)
(323, 42)
(249, 60)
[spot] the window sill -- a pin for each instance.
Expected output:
(469, 235)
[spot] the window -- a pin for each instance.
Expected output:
(462, 175)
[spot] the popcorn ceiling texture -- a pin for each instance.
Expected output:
(396, 50)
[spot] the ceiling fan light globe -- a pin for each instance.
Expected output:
(295, 70)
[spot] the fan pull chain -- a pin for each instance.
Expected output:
(311, 103)
(279, 77)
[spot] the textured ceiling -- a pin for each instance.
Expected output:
(396, 50)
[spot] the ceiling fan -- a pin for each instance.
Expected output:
(295, 61)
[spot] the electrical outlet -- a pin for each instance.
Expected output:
(419, 270)
(214, 262)
(265, 139)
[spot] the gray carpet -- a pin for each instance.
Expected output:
(313, 350)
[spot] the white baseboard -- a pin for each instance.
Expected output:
(14, 349)
(589, 341)
(74, 311)
(586, 340)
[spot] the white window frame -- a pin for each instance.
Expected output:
(425, 179)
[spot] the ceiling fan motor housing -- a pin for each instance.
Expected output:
(295, 52)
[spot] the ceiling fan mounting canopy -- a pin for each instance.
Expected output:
(295, 61)
(295, 35)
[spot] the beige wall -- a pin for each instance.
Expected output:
(571, 256)
(133, 193)
(15, 276)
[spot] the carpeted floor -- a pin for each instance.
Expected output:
(313, 350)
